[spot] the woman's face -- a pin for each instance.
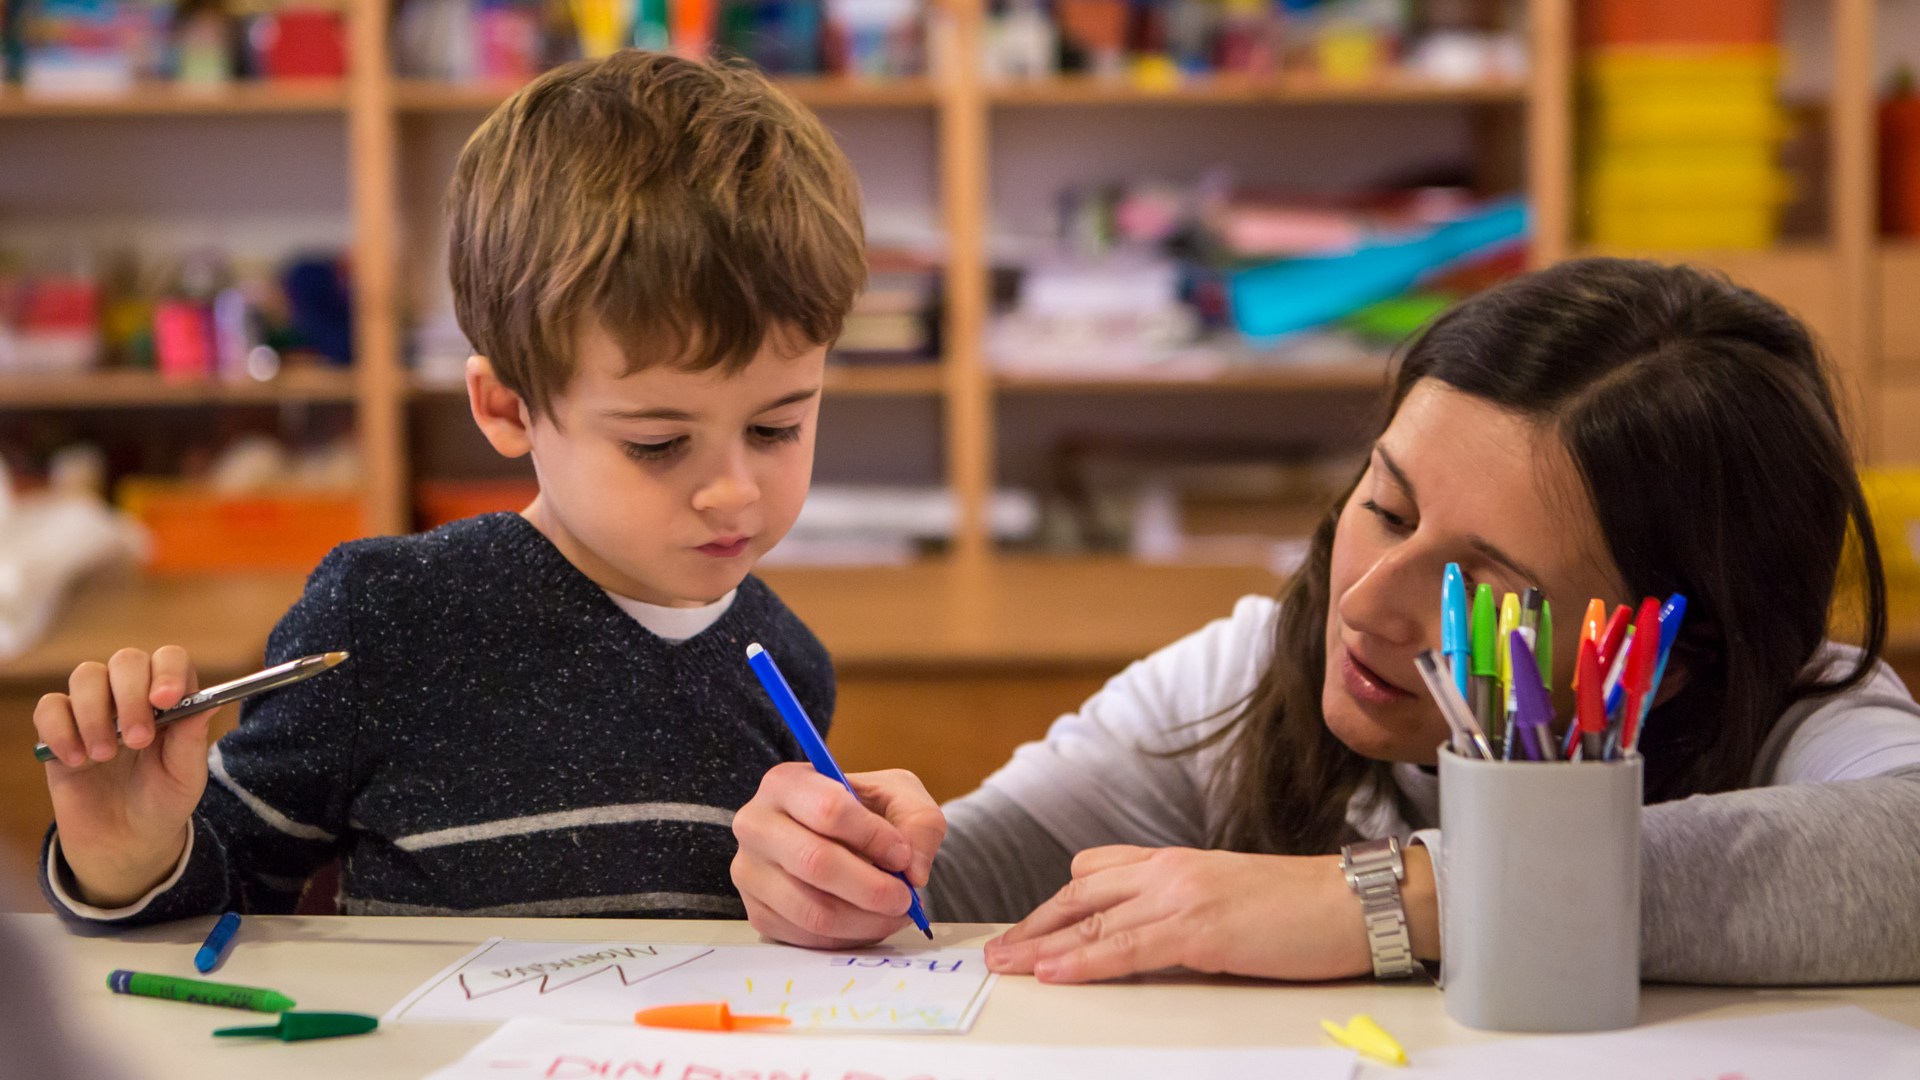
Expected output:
(1453, 479)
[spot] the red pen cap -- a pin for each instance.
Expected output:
(1615, 633)
(1644, 653)
(1590, 700)
(1642, 657)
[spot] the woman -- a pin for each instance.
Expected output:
(1603, 428)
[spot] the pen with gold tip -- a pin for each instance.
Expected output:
(213, 697)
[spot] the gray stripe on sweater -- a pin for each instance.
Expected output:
(728, 906)
(624, 814)
(217, 768)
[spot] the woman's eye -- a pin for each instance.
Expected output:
(652, 452)
(1389, 518)
(771, 435)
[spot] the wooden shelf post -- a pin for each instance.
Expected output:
(372, 155)
(965, 209)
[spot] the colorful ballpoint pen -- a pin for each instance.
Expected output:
(1455, 635)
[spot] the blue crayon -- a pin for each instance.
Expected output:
(219, 941)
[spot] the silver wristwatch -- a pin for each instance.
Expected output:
(1374, 872)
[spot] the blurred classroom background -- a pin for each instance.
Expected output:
(1138, 270)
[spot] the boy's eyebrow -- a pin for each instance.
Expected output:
(1477, 543)
(794, 398)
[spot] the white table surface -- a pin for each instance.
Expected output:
(367, 964)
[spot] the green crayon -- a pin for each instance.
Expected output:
(198, 991)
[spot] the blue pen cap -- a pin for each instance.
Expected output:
(1671, 612)
(1454, 635)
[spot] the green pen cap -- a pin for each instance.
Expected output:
(1543, 644)
(296, 1026)
(1483, 620)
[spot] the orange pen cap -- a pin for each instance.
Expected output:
(705, 1016)
(1592, 628)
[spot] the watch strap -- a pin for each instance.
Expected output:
(1374, 869)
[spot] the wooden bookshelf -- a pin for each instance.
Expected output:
(1837, 282)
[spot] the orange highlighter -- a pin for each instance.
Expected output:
(705, 1016)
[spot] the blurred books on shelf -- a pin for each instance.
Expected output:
(897, 318)
(194, 316)
(97, 47)
(510, 41)
(1160, 44)
(1218, 281)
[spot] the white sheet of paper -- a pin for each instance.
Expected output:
(529, 1049)
(880, 989)
(1846, 1042)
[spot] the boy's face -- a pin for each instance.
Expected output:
(665, 485)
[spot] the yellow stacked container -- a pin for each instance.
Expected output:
(1680, 146)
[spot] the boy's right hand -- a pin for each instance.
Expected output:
(122, 810)
(813, 866)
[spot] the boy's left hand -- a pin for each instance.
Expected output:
(1132, 909)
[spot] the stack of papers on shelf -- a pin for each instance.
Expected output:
(893, 319)
(882, 525)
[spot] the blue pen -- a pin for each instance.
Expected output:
(810, 742)
(219, 941)
(1456, 641)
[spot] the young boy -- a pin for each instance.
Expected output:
(549, 712)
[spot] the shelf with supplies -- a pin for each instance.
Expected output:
(1278, 379)
(864, 380)
(1279, 89)
(400, 132)
(177, 99)
(820, 91)
(117, 389)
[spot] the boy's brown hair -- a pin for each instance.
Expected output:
(695, 210)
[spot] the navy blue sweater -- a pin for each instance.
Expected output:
(505, 740)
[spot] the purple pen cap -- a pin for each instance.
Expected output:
(1533, 706)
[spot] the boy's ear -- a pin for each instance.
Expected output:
(500, 412)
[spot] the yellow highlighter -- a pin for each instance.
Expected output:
(1363, 1036)
(1509, 622)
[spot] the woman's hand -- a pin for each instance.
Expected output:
(813, 862)
(1131, 909)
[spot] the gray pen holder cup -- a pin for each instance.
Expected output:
(1540, 893)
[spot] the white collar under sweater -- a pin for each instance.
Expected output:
(674, 624)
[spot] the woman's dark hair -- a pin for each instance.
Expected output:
(1701, 418)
